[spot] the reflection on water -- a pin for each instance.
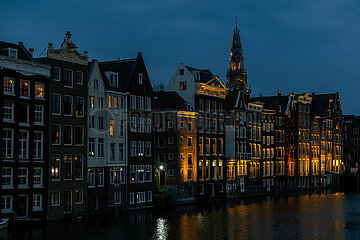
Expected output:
(161, 229)
(315, 216)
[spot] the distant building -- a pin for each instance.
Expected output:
(351, 142)
(24, 163)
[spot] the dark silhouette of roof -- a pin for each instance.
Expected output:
(22, 52)
(170, 101)
(205, 74)
(272, 102)
(320, 103)
(123, 68)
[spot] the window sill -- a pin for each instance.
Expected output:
(8, 121)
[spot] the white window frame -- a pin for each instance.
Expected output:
(9, 86)
(38, 201)
(43, 90)
(8, 110)
(8, 200)
(39, 112)
(57, 79)
(38, 185)
(10, 176)
(24, 145)
(39, 145)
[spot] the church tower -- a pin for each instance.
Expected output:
(236, 77)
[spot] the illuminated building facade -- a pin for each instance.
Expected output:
(68, 136)
(176, 146)
(24, 162)
(205, 94)
(133, 79)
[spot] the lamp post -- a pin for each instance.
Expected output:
(161, 168)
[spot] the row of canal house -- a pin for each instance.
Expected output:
(82, 137)
(243, 145)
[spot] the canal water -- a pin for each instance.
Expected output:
(303, 216)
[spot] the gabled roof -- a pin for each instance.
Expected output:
(170, 101)
(22, 52)
(123, 68)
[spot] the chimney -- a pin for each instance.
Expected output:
(260, 94)
(279, 93)
(31, 50)
(21, 43)
(313, 94)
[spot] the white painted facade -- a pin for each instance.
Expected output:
(113, 118)
(189, 78)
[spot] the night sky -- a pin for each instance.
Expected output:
(289, 45)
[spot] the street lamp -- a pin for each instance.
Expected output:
(161, 169)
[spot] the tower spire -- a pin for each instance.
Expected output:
(236, 75)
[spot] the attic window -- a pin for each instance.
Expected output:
(182, 86)
(181, 72)
(113, 79)
(12, 53)
(140, 78)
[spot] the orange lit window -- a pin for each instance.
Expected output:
(39, 90)
(109, 101)
(182, 86)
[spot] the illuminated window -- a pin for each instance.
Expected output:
(39, 90)
(110, 105)
(78, 196)
(8, 85)
(112, 127)
(78, 167)
(116, 103)
(91, 102)
(55, 198)
(24, 88)
(55, 133)
(182, 86)
(79, 106)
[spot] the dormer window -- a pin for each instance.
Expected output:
(181, 72)
(12, 52)
(114, 79)
(140, 78)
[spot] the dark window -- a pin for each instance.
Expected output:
(79, 135)
(189, 142)
(55, 103)
(57, 74)
(67, 134)
(181, 71)
(78, 167)
(161, 142)
(24, 113)
(79, 78)
(68, 78)
(67, 105)
(101, 123)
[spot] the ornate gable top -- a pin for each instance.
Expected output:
(67, 52)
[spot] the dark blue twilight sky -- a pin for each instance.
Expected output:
(289, 45)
